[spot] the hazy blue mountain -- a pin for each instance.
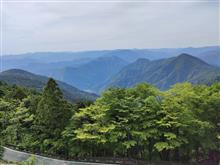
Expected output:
(39, 66)
(165, 72)
(30, 80)
(129, 55)
(209, 54)
(16, 63)
(49, 69)
(188, 50)
(71, 59)
(50, 57)
(92, 74)
(45, 62)
(212, 57)
(88, 70)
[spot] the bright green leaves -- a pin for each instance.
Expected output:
(170, 136)
(170, 145)
(139, 122)
(129, 144)
(121, 118)
(143, 116)
(160, 146)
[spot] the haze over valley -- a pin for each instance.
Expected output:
(94, 71)
(120, 82)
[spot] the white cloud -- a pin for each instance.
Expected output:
(85, 26)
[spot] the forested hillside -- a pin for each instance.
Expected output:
(166, 72)
(180, 124)
(92, 75)
(33, 61)
(37, 82)
(94, 71)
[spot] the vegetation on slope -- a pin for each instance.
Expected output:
(166, 72)
(30, 80)
(92, 75)
(180, 124)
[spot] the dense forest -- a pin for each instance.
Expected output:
(179, 124)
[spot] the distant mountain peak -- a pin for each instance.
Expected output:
(189, 58)
(185, 55)
(165, 72)
(15, 71)
(103, 58)
(26, 79)
(142, 60)
(20, 72)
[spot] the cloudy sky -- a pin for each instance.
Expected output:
(71, 26)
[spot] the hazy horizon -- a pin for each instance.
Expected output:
(72, 51)
(73, 27)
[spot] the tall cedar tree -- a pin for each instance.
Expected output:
(53, 111)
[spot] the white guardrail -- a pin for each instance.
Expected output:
(11, 155)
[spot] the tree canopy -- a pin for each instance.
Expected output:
(180, 124)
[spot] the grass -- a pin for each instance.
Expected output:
(6, 163)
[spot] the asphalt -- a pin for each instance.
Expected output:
(11, 155)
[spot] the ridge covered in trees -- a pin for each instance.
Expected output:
(37, 82)
(180, 124)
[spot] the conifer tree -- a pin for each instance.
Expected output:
(52, 111)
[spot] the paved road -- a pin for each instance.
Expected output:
(18, 156)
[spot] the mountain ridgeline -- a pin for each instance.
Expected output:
(166, 72)
(29, 80)
(32, 61)
(95, 71)
(92, 75)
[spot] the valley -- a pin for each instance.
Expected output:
(120, 103)
(95, 71)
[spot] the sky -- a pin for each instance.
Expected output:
(36, 26)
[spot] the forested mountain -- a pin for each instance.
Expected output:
(209, 54)
(29, 80)
(166, 72)
(41, 67)
(32, 61)
(212, 57)
(92, 74)
(93, 71)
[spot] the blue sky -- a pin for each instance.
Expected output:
(64, 26)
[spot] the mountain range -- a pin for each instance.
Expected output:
(26, 79)
(94, 71)
(69, 59)
(165, 72)
(92, 75)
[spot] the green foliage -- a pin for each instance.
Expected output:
(140, 122)
(17, 93)
(30, 161)
(52, 115)
(1, 152)
(29, 80)
(52, 110)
